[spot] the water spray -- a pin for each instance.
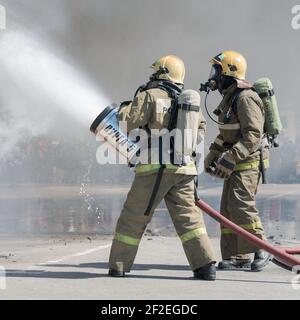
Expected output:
(45, 84)
(32, 66)
(89, 200)
(39, 86)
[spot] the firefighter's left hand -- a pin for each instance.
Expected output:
(224, 166)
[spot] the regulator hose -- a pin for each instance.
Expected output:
(206, 109)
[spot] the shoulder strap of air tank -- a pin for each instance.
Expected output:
(235, 97)
(139, 89)
(172, 90)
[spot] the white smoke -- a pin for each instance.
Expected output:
(38, 86)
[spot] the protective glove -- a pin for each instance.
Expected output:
(209, 161)
(224, 166)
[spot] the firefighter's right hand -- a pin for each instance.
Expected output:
(209, 161)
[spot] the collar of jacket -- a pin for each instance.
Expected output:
(173, 89)
(168, 85)
(230, 90)
(239, 84)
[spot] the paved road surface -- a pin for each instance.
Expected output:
(76, 268)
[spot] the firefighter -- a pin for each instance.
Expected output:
(235, 157)
(152, 109)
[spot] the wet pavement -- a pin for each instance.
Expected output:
(55, 242)
(94, 210)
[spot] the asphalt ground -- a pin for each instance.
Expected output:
(56, 267)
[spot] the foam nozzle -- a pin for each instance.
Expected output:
(101, 117)
(106, 126)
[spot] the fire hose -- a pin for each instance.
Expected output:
(283, 257)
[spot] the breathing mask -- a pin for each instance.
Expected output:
(213, 79)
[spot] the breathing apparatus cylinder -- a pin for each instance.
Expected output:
(188, 118)
(106, 125)
(273, 125)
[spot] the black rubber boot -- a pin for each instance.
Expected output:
(207, 272)
(115, 273)
(261, 259)
(234, 264)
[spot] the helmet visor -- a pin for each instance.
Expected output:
(215, 72)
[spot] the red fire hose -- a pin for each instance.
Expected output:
(282, 256)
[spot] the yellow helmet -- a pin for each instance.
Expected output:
(233, 64)
(170, 68)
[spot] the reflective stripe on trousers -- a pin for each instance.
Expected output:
(249, 226)
(184, 238)
(127, 240)
(193, 234)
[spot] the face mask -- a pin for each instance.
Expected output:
(213, 79)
